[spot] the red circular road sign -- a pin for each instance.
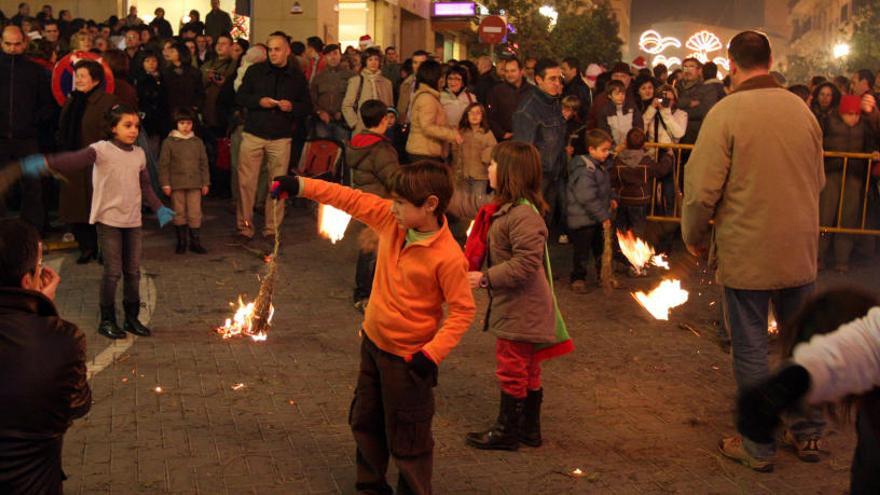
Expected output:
(492, 30)
(62, 75)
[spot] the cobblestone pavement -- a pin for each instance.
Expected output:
(639, 407)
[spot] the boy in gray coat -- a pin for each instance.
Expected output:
(589, 204)
(184, 176)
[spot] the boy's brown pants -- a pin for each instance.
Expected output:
(391, 414)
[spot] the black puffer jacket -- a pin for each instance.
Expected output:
(279, 83)
(43, 388)
(25, 97)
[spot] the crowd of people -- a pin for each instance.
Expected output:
(529, 149)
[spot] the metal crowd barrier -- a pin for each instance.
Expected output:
(660, 211)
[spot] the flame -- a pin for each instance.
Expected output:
(470, 228)
(242, 323)
(664, 297)
(772, 326)
(640, 253)
(332, 223)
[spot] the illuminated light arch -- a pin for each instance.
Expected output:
(704, 41)
(669, 62)
(651, 42)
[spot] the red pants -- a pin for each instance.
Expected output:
(516, 367)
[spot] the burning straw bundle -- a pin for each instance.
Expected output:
(263, 302)
(606, 275)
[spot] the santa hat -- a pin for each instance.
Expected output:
(593, 71)
(365, 41)
(640, 63)
(850, 104)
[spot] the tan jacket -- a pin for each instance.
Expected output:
(375, 87)
(429, 132)
(471, 158)
(404, 99)
(521, 305)
(757, 172)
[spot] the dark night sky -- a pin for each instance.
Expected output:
(731, 13)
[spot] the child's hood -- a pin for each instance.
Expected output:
(631, 158)
(179, 135)
(583, 164)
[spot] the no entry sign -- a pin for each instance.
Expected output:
(62, 75)
(492, 30)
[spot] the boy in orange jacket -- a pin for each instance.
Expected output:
(419, 268)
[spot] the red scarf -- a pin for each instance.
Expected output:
(477, 242)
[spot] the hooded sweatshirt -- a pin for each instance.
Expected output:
(632, 176)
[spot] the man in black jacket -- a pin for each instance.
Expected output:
(276, 95)
(160, 25)
(25, 103)
(43, 385)
(575, 85)
(505, 97)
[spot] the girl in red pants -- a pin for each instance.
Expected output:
(510, 235)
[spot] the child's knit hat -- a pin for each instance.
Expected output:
(850, 104)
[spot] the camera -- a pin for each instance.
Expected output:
(664, 102)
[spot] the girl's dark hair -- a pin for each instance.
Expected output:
(183, 113)
(824, 313)
(471, 67)
(835, 95)
(429, 74)
(519, 174)
(465, 123)
(370, 52)
(19, 251)
(183, 53)
(95, 69)
(461, 71)
(115, 114)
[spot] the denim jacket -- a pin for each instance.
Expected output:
(538, 120)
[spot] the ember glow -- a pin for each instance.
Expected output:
(470, 228)
(245, 322)
(332, 223)
(640, 253)
(663, 298)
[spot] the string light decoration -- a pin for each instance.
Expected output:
(669, 62)
(653, 43)
(704, 42)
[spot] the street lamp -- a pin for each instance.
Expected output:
(840, 50)
(550, 13)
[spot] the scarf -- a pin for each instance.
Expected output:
(475, 250)
(70, 127)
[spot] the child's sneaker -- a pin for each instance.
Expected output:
(579, 287)
(563, 239)
(732, 447)
(807, 451)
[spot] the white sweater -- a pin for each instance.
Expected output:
(844, 362)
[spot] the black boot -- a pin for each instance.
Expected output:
(108, 327)
(503, 435)
(132, 324)
(85, 256)
(530, 431)
(181, 239)
(195, 243)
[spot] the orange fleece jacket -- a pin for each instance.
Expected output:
(411, 284)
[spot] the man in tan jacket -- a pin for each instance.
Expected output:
(757, 171)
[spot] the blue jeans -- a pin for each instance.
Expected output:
(746, 316)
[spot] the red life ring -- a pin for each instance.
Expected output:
(62, 75)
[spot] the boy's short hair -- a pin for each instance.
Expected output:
(183, 113)
(615, 85)
(597, 137)
(19, 250)
(417, 181)
(635, 139)
(572, 103)
(373, 112)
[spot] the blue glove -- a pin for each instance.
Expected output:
(165, 215)
(285, 186)
(32, 166)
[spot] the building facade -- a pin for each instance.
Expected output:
(818, 25)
